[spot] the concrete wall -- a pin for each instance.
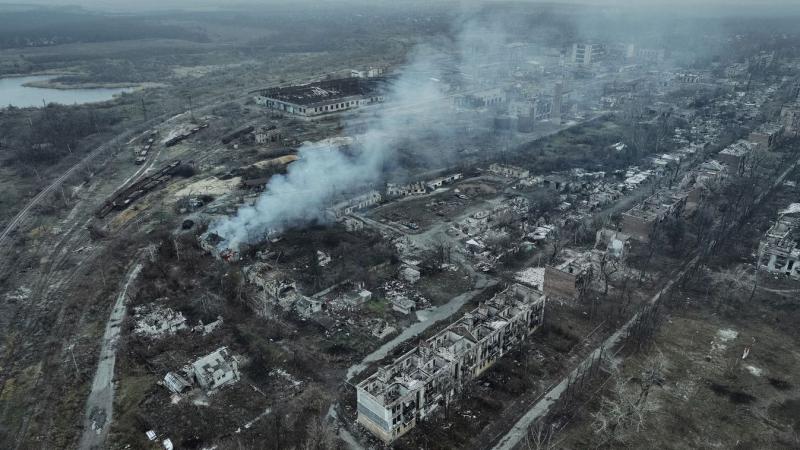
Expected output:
(559, 284)
(636, 227)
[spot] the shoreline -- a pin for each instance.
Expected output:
(52, 84)
(49, 84)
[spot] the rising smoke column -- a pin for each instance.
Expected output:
(323, 172)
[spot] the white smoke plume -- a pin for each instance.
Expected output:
(416, 103)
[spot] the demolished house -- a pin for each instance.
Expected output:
(615, 243)
(273, 287)
(157, 321)
(508, 171)
(215, 370)
(399, 395)
(211, 372)
(779, 249)
(214, 244)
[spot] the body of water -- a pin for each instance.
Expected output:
(14, 93)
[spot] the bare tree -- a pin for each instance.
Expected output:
(540, 437)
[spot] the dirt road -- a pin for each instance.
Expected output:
(99, 406)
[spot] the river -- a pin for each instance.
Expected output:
(14, 93)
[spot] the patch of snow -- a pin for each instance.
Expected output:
(532, 276)
(727, 334)
(755, 371)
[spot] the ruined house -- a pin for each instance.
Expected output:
(779, 249)
(215, 370)
(273, 286)
(176, 382)
(158, 320)
(214, 244)
(403, 305)
(399, 395)
(508, 171)
(615, 243)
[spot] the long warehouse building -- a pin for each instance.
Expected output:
(323, 97)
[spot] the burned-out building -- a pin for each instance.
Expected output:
(766, 136)
(779, 249)
(215, 370)
(508, 171)
(638, 221)
(405, 190)
(566, 280)
(735, 156)
(354, 204)
(323, 97)
(399, 395)
(272, 285)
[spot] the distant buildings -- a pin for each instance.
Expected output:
(508, 171)
(215, 370)
(587, 54)
(767, 135)
(399, 395)
(322, 97)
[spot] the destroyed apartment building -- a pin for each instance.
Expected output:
(211, 372)
(565, 281)
(767, 135)
(508, 171)
(779, 249)
(638, 221)
(399, 395)
(354, 204)
(275, 288)
(322, 97)
(735, 156)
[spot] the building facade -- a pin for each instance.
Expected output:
(396, 397)
(779, 250)
(322, 97)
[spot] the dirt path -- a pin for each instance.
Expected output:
(100, 405)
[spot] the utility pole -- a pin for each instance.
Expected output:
(144, 110)
(191, 109)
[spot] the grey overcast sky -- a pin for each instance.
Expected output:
(656, 8)
(141, 4)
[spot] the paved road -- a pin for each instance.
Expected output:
(519, 431)
(542, 406)
(99, 406)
